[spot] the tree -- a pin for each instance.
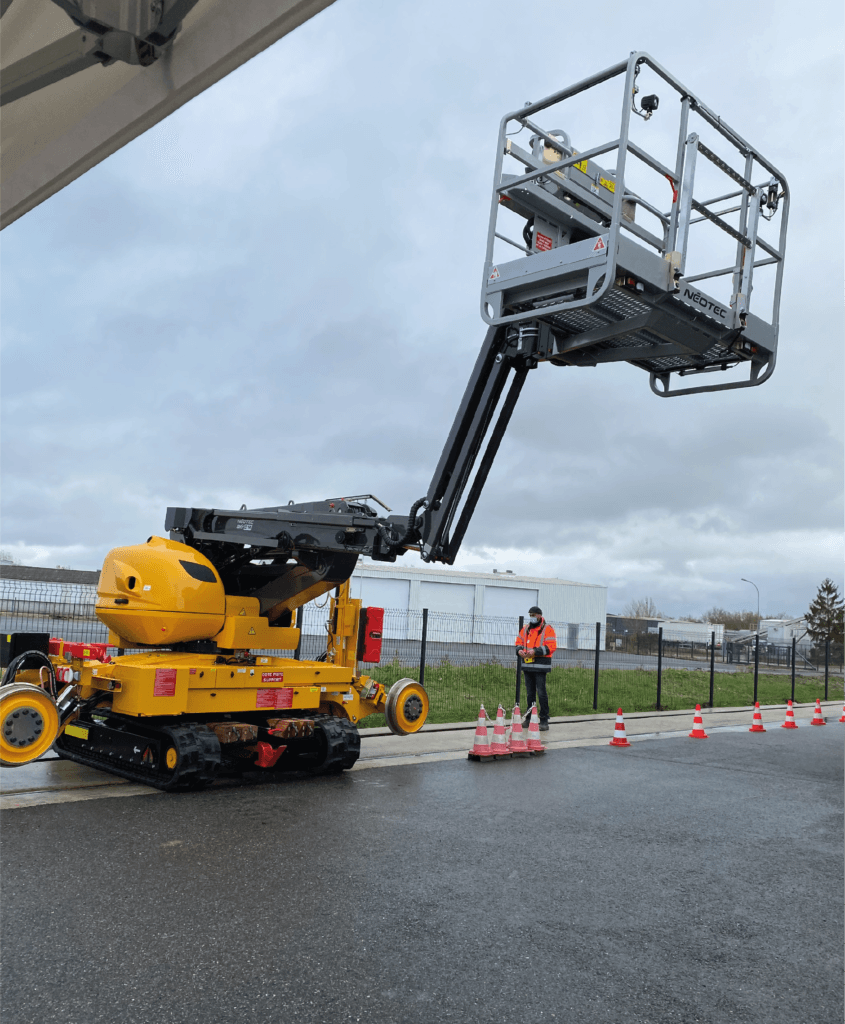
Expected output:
(746, 620)
(642, 608)
(825, 618)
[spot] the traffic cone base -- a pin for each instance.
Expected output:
(842, 719)
(534, 744)
(817, 715)
(757, 721)
(481, 748)
(619, 737)
(698, 732)
(790, 722)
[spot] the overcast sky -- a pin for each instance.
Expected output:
(273, 295)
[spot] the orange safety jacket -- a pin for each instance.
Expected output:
(541, 637)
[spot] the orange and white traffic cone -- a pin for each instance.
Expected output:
(499, 746)
(516, 741)
(481, 748)
(757, 721)
(790, 722)
(698, 732)
(534, 744)
(842, 719)
(619, 737)
(817, 715)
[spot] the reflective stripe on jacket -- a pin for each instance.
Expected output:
(543, 636)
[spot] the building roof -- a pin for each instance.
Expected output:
(41, 575)
(495, 577)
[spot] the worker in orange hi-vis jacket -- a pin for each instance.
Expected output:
(535, 645)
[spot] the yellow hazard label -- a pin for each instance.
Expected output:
(79, 731)
(251, 631)
(609, 185)
(242, 611)
(581, 166)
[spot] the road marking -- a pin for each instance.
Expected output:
(11, 801)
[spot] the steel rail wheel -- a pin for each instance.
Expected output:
(407, 707)
(29, 723)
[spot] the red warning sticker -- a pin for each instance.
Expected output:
(281, 697)
(494, 276)
(599, 246)
(165, 682)
(272, 677)
(542, 242)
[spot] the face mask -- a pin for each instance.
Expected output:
(533, 621)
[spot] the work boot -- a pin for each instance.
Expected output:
(544, 725)
(526, 721)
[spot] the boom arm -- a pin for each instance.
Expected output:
(290, 554)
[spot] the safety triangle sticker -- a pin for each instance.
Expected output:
(494, 276)
(599, 246)
(251, 631)
(242, 611)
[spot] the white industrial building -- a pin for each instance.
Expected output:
(781, 631)
(481, 605)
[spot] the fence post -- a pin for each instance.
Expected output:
(423, 640)
(794, 642)
(300, 615)
(826, 664)
(712, 664)
(756, 664)
(659, 664)
(519, 663)
(596, 671)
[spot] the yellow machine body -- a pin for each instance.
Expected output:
(159, 683)
(173, 716)
(160, 593)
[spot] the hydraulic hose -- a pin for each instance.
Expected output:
(397, 542)
(16, 663)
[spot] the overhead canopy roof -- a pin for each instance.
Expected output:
(52, 136)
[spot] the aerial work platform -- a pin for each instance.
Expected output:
(608, 273)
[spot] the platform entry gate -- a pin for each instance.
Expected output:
(652, 260)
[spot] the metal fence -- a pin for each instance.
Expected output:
(467, 660)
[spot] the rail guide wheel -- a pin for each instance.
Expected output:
(29, 723)
(407, 707)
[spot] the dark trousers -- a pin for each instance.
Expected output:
(535, 689)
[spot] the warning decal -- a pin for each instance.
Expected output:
(581, 166)
(599, 246)
(272, 677)
(165, 682)
(608, 184)
(274, 698)
(542, 242)
(494, 276)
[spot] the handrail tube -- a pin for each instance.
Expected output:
(551, 168)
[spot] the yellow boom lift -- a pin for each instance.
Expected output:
(195, 690)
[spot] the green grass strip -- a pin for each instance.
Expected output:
(457, 691)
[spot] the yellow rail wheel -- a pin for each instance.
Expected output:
(407, 707)
(29, 723)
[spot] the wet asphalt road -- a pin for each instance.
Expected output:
(675, 881)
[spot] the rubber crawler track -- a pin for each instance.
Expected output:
(197, 746)
(200, 754)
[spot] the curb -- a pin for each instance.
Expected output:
(611, 717)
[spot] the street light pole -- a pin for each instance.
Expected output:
(753, 584)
